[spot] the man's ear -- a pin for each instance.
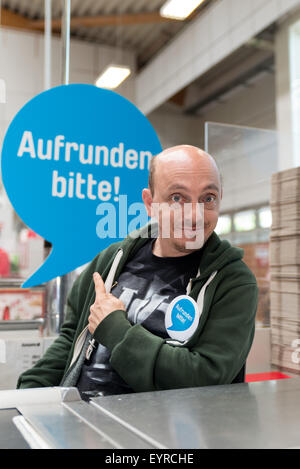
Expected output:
(147, 199)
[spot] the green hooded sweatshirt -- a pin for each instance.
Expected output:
(226, 292)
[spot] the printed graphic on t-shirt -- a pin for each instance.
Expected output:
(146, 297)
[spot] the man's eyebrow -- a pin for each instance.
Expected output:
(212, 187)
(181, 187)
(174, 187)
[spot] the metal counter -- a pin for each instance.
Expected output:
(255, 415)
(57, 418)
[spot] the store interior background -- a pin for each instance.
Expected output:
(233, 64)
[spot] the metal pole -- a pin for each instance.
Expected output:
(47, 45)
(58, 288)
(65, 36)
(65, 282)
(57, 291)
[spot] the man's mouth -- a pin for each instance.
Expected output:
(188, 231)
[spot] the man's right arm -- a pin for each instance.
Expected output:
(49, 370)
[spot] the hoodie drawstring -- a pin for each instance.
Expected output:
(108, 284)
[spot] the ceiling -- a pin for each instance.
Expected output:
(137, 26)
(130, 24)
(241, 70)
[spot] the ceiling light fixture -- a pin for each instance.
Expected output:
(179, 9)
(113, 76)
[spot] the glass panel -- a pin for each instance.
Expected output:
(247, 158)
(294, 48)
(21, 250)
(23, 72)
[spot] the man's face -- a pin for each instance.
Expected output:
(187, 192)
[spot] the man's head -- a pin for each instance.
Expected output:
(184, 177)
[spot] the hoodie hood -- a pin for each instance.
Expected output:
(217, 254)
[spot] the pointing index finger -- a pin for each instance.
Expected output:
(99, 284)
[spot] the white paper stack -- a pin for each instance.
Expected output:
(285, 270)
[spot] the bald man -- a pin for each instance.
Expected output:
(172, 306)
(185, 176)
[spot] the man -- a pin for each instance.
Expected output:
(116, 339)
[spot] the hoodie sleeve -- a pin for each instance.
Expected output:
(49, 370)
(147, 363)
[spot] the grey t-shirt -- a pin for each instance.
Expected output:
(147, 285)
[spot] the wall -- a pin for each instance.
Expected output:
(253, 106)
(174, 128)
(287, 101)
(211, 37)
(22, 67)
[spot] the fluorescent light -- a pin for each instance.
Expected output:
(113, 76)
(179, 9)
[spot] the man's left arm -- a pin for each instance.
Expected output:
(147, 363)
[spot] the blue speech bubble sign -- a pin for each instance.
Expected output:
(74, 162)
(182, 314)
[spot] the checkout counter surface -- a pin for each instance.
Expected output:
(255, 415)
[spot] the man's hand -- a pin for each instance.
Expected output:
(104, 304)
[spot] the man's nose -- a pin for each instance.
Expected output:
(194, 214)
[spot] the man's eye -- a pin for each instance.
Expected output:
(176, 198)
(209, 199)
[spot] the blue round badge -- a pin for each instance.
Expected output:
(182, 318)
